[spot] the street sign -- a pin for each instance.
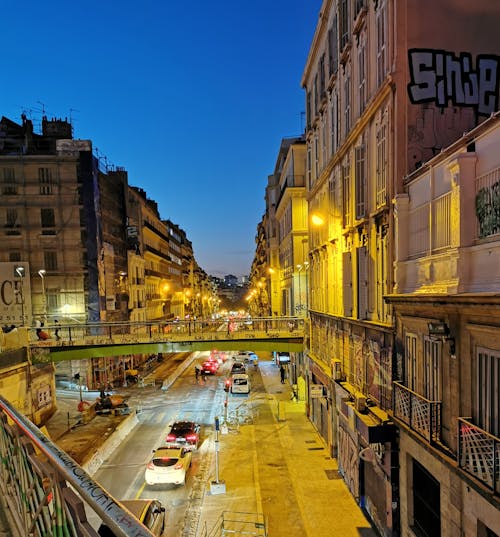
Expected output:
(316, 391)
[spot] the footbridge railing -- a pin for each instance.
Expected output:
(47, 493)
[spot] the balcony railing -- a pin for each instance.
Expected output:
(479, 453)
(430, 226)
(488, 204)
(420, 414)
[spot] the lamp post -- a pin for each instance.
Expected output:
(42, 273)
(20, 273)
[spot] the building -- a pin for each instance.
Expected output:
(81, 245)
(388, 86)
(446, 305)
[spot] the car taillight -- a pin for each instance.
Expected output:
(151, 466)
(190, 437)
(178, 466)
(170, 437)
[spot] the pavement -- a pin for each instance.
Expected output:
(270, 473)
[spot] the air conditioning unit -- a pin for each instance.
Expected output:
(337, 370)
(360, 402)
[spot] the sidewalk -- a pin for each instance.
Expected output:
(273, 466)
(280, 469)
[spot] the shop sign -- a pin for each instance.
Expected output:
(316, 391)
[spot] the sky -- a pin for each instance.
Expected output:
(191, 98)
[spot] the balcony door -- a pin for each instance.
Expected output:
(487, 411)
(433, 351)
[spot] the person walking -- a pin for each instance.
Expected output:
(56, 331)
(282, 374)
(196, 371)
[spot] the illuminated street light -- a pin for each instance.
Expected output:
(317, 219)
(42, 273)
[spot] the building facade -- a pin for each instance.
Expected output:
(388, 85)
(446, 305)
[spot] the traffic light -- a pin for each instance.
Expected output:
(227, 384)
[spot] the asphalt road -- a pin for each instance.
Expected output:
(122, 475)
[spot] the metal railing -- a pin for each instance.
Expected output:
(47, 492)
(479, 453)
(236, 524)
(167, 331)
(420, 414)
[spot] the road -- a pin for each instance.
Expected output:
(122, 475)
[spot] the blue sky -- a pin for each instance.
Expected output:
(191, 98)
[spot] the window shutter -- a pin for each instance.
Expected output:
(347, 283)
(362, 283)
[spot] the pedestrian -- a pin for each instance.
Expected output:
(56, 331)
(282, 374)
(196, 372)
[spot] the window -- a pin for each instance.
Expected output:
(381, 42)
(11, 220)
(308, 109)
(432, 369)
(360, 180)
(8, 178)
(309, 166)
(487, 412)
(333, 49)
(45, 180)
(347, 283)
(410, 362)
(321, 69)
(48, 221)
(344, 23)
(362, 74)
(50, 259)
(15, 256)
(426, 502)
(381, 164)
(347, 101)
(362, 256)
(334, 130)
(346, 193)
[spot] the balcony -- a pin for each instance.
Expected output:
(479, 453)
(420, 414)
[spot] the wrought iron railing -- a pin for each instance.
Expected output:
(420, 414)
(479, 453)
(48, 494)
(488, 204)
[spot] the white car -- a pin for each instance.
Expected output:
(240, 383)
(168, 466)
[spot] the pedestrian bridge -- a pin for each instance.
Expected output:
(80, 341)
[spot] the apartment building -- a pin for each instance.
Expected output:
(388, 84)
(80, 244)
(446, 306)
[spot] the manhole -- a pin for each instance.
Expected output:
(333, 474)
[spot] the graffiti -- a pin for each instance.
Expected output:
(349, 462)
(488, 210)
(439, 76)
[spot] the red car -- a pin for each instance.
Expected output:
(210, 367)
(184, 434)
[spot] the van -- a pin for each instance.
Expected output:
(240, 383)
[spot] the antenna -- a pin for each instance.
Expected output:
(43, 107)
(71, 110)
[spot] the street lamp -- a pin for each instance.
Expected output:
(42, 273)
(20, 273)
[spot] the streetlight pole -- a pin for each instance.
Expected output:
(41, 273)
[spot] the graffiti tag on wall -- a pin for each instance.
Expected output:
(439, 76)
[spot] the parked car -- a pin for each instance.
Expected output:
(240, 383)
(168, 465)
(247, 357)
(150, 512)
(184, 434)
(238, 367)
(210, 367)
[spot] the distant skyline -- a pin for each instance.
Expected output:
(193, 103)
